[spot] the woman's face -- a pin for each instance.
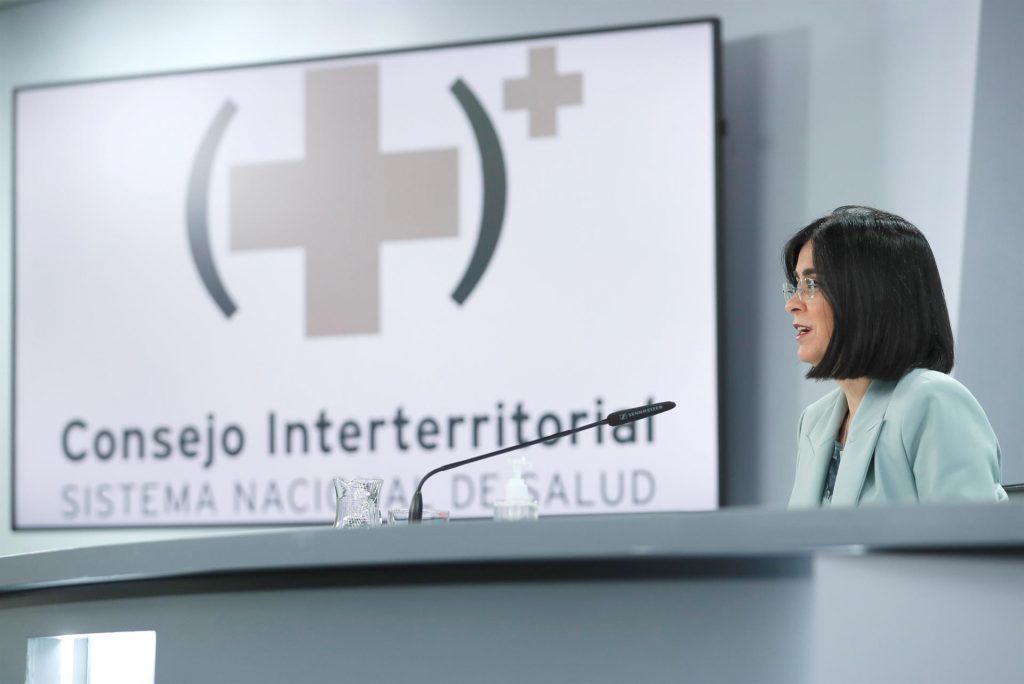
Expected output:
(812, 319)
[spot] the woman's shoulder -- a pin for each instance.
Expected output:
(922, 392)
(922, 383)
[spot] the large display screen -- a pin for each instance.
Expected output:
(233, 285)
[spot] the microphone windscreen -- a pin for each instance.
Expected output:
(629, 415)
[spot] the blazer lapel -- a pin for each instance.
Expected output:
(814, 454)
(860, 443)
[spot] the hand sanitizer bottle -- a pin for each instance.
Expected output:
(517, 504)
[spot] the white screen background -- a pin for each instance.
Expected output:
(602, 286)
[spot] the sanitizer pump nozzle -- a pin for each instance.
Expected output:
(517, 505)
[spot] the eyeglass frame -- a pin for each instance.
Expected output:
(806, 291)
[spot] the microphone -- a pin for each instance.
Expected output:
(614, 419)
(624, 416)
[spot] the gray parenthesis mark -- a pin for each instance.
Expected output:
(195, 212)
(493, 166)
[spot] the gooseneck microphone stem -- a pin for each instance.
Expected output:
(614, 419)
(416, 505)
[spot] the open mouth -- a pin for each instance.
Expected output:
(801, 331)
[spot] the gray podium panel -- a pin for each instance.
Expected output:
(919, 618)
(512, 629)
(732, 596)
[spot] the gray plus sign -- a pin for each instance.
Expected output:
(343, 200)
(543, 91)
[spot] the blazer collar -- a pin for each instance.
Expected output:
(826, 431)
(860, 443)
(814, 454)
(816, 451)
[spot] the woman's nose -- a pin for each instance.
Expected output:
(794, 303)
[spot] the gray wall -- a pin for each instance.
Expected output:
(992, 319)
(828, 103)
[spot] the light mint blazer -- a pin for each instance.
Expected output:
(923, 439)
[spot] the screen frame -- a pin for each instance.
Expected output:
(718, 134)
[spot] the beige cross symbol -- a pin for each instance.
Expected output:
(343, 200)
(543, 91)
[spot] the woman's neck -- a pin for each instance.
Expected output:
(854, 389)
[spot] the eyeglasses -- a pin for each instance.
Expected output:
(806, 290)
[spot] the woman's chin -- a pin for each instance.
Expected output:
(811, 359)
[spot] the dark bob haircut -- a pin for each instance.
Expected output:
(878, 273)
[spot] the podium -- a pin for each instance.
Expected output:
(739, 595)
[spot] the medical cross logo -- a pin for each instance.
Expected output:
(345, 198)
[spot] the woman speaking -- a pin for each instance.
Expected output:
(869, 313)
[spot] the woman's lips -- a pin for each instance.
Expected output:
(801, 331)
